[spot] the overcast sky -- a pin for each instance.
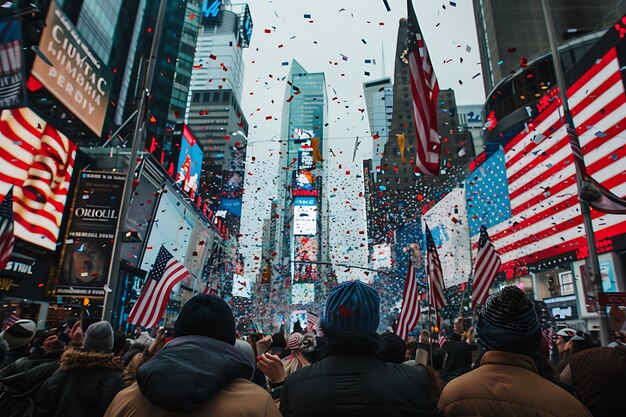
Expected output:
(336, 39)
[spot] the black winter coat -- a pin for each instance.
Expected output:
(352, 385)
(84, 385)
(26, 373)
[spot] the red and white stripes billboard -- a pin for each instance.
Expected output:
(38, 160)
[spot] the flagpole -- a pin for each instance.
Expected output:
(114, 270)
(592, 262)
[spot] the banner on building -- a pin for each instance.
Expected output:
(448, 225)
(91, 233)
(38, 161)
(304, 216)
(78, 78)
(12, 65)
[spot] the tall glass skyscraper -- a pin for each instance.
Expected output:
(303, 223)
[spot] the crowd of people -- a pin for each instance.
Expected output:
(505, 365)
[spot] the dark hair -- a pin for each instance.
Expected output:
(278, 340)
(392, 348)
(353, 342)
(119, 343)
(412, 348)
(460, 357)
(439, 357)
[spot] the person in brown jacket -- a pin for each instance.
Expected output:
(507, 382)
(199, 373)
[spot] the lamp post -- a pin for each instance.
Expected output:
(593, 263)
(110, 298)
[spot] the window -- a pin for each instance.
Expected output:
(566, 283)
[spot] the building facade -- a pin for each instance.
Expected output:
(379, 104)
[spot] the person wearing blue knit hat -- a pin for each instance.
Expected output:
(351, 381)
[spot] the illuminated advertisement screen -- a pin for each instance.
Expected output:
(246, 30)
(38, 160)
(172, 227)
(305, 255)
(211, 10)
(381, 256)
(302, 134)
(304, 184)
(537, 204)
(189, 163)
(305, 159)
(304, 216)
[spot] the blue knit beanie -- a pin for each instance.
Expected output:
(508, 322)
(352, 306)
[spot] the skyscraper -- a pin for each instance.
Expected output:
(379, 104)
(214, 105)
(511, 31)
(302, 227)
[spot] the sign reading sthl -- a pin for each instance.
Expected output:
(89, 245)
(77, 77)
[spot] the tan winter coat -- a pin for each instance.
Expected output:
(240, 398)
(507, 384)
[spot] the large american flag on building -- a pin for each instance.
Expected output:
(529, 196)
(37, 160)
(425, 93)
(486, 266)
(165, 273)
(434, 273)
(410, 312)
(7, 238)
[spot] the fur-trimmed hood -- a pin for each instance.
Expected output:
(86, 360)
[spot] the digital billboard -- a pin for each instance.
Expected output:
(211, 10)
(189, 165)
(38, 161)
(77, 77)
(13, 64)
(306, 251)
(304, 184)
(381, 256)
(305, 159)
(172, 227)
(447, 221)
(91, 233)
(544, 219)
(246, 28)
(305, 216)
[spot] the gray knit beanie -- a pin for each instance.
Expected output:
(99, 337)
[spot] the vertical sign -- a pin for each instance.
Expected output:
(91, 233)
(12, 68)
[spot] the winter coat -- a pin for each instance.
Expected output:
(26, 373)
(598, 376)
(353, 385)
(84, 385)
(507, 384)
(130, 370)
(14, 354)
(194, 376)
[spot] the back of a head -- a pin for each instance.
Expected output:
(351, 318)
(392, 348)
(294, 342)
(438, 358)
(352, 306)
(99, 337)
(206, 315)
(508, 322)
(247, 349)
(19, 334)
(460, 357)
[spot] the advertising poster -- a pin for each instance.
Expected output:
(39, 161)
(189, 163)
(305, 159)
(12, 66)
(305, 216)
(91, 233)
(304, 184)
(381, 256)
(197, 252)
(305, 256)
(77, 77)
(447, 221)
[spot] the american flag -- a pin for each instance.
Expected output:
(410, 312)
(7, 238)
(486, 266)
(38, 160)
(435, 274)
(10, 320)
(166, 272)
(543, 217)
(425, 93)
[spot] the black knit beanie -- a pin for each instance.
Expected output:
(206, 315)
(508, 322)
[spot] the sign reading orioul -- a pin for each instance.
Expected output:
(91, 233)
(77, 77)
